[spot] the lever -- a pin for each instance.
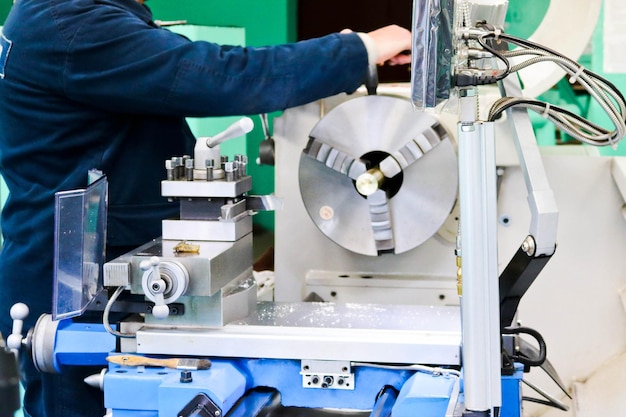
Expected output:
(371, 82)
(266, 147)
(207, 148)
(18, 312)
(239, 128)
(156, 287)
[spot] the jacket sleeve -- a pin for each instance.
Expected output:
(118, 62)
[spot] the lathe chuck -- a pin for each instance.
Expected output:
(378, 176)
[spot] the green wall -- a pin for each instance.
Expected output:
(5, 6)
(265, 22)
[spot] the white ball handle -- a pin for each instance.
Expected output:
(18, 312)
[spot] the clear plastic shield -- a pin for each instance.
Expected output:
(432, 52)
(79, 248)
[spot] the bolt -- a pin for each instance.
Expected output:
(528, 246)
(189, 169)
(185, 377)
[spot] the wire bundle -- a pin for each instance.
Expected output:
(600, 89)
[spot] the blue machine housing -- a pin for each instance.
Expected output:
(244, 387)
(247, 386)
(241, 387)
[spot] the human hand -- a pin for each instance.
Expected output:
(391, 43)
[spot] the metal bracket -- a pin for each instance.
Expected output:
(327, 374)
(541, 200)
(516, 279)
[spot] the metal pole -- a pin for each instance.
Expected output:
(480, 301)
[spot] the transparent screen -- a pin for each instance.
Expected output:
(79, 248)
(432, 52)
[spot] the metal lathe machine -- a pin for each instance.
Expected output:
(403, 249)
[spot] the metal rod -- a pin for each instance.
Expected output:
(384, 402)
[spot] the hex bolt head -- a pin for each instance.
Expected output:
(185, 377)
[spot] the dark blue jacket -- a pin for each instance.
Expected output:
(95, 84)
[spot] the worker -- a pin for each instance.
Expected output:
(98, 85)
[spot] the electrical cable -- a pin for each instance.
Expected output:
(500, 55)
(548, 399)
(551, 372)
(421, 368)
(524, 359)
(548, 403)
(599, 89)
(105, 316)
(596, 87)
(569, 122)
(538, 360)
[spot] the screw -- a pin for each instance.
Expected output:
(528, 246)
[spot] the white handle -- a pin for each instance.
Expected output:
(239, 128)
(155, 287)
(18, 312)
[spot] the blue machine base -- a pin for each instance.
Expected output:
(250, 387)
